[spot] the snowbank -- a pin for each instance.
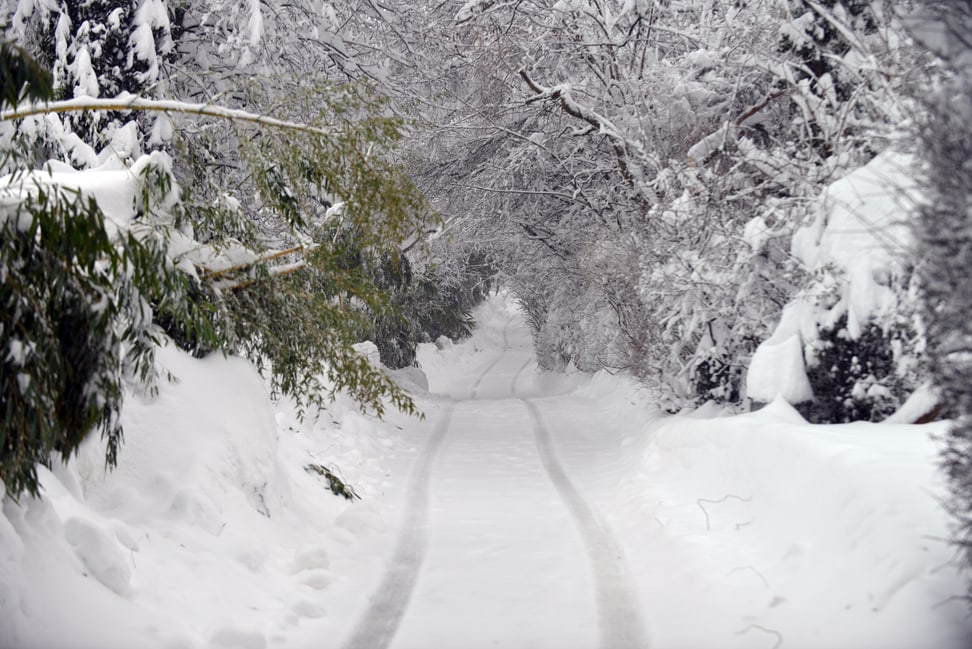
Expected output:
(748, 531)
(817, 536)
(863, 229)
(210, 513)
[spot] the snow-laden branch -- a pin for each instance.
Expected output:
(131, 102)
(629, 168)
(846, 32)
(270, 256)
(274, 271)
(703, 150)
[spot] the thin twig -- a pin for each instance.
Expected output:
(779, 636)
(699, 502)
(757, 572)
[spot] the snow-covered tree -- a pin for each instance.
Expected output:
(689, 141)
(226, 240)
(102, 48)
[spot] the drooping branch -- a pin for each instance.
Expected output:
(270, 256)
(629, 168)
(275, 271)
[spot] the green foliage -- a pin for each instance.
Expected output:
(83, 307)
(303, 337)
(75, 325)
(303, 323)
(337, 486)
(21, 77)
(419, 308)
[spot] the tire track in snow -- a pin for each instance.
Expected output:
(516, 377)
(380, 621)
(619, 620)
(506, 347)
(377, 626)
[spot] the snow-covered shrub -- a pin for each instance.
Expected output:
(853, 379)
(76, 322)
(848, 341)
(945, 240)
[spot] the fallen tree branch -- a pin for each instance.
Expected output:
(277, 271)
(259, 260)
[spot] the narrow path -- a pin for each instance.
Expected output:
(498, 547)
(474, 391)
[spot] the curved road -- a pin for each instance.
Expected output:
(498, 546)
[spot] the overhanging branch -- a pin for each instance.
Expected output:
(131, 102)
(629, 169)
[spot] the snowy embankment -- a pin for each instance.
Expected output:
(754, 530)
(211, 532)
(774, 532)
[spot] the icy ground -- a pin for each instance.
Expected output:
(526, 511)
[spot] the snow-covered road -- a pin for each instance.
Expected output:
(549, 511)
(529, 510)
(497, 546)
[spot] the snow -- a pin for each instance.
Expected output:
(209, 533)
(527, 509)
(87, 80)
(857, 245)
(863, 228)
(921, 402)
(117, 184)
(777, 368)
(114, 191)
(756, 233)
(18, 352)
(699, 152)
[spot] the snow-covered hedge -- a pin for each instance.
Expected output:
(849, 346)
